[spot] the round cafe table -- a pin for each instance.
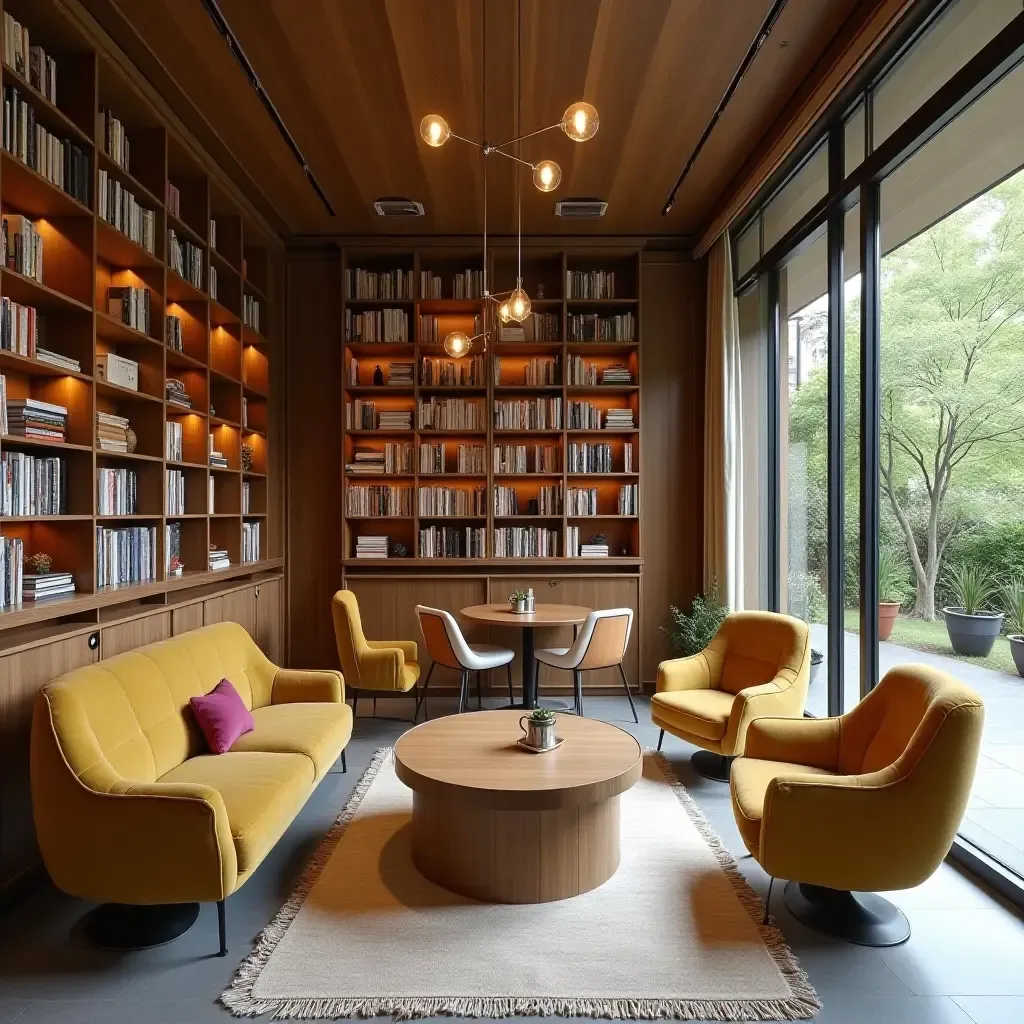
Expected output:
(542, 615)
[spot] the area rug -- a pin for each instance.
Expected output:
(676, 932)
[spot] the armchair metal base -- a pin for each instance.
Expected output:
(863, 918)
(712, 766)
(128, 926)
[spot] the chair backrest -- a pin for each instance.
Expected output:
(602, 640)
(751, 648)
(445, 643)
(348, 634)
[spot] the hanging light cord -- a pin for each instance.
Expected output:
(519, 99)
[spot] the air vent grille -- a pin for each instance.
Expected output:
(581, 209)
(393, 206)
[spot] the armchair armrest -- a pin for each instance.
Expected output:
(800, 741)
(380, 668)
(302, 686)
(770, 699)
(691, 673)
(407, 647)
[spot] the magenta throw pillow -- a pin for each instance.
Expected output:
(222, 716)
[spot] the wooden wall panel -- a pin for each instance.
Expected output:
(186, 618)
(313, 463)
(126, 636)
(672, 299)
(270, 620)
(238, 606)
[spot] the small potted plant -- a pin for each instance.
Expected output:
(175, 566)
(892, 589)
(816, 659)
(539, 730)
(970, 622)
(517, 601)
(1013, 596)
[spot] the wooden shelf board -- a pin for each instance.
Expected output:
(187, 362)
(115, 170)
(130, 456)
(379, 389)
(490, 562)
(254, 391)
(50, 116)
(186, 231)
(129, 516)
(41, 442)
(36, 367)
(111, 329)
(104, 387)
(219, 421)
(28, 192)
(176, 464)
(602, 303)
(30, 292)
(255, 289)
(250, 336)
(220, 315)
(379, 303)
(371, 349)
(602, 348)
(223, 264)
(222, 375)
(115, 247)
(181, 290)
(47, 519)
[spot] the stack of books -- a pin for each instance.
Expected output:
(617, 373)
(52, 584)
(177, 394)
(618, 419)
(45, 355)
(400, 372)
(371, 547)
(11, 570)
(593, 551)
(219, 559)
(218, 459)
(395, 419)
(28, 417)
(367, 463)
(111, 432)
(173, 441)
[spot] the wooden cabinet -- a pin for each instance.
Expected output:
(22, 675)
(237, 606)
(270, 619)
(125, 636)
(189, 616)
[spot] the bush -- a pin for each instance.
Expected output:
(690, 634)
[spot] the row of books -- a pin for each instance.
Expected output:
(111, 432)
(174, 201)
(119, 208)
(467, 284)
(590, 284)
(172, 549)
(587, 416)
(574, 549)
(581, 501)
(593, 327)
(363, 415)
(175, 490)
(130, 305)
(629, 500)
(522, 458)
(470, 459)
(452, 372)
(117, 491)
(12, 553)
(401, 372)
(32, 486)
(538, 371)
(22, 331)
(378, 500)
(125, 554)
(528, 414)
(584, 372)
(58, 160)
(450, 414)
(395, 457)
(115, 141)
(212, 279)
(251, 541)
(22, 246)
(251, 311)
(246, 497)
(536, 327)
(452, 542)
(451, 501)
(596, 457)
(377, 326)
(525, 542)
(546, 502)
(185, 259)
(174, 441)
(172, 333)
(383, 284)
(433, 329)
(31, 62)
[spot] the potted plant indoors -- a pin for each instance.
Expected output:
(1013, 595)
(816, 659)
(971, 624)
(892, 589)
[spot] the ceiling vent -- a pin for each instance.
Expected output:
(581, 209)
(395, 206)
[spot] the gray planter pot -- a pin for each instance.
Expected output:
(973, 635)
(1017, 650)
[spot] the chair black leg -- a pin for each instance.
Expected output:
(511, 695)
(344, 763)
(222, 928)
(421, 700)
(374, 707)
(355, 703)
(661, 736)
(629, 696)
(479, 697)
(577, 678)
(463, 691)
(768, 901)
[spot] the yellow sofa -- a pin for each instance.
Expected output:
(128, 807)
(868, 801)
(758, 664)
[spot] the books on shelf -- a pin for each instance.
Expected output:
(29, 417)
(432, 331)
(173, 201)
(523, 458)
(115, 142)
(450, 414)
(377, 326)
(176, 393)
(373, 284)
(574, 549)
(581, 501)
(525, 542)
(175, 492)
(212, 280)
(251, 541)
(470, 459)
(22, 246)
(400, 372)
(452, 501)
(174, 441)
(378, 500)
(119, 208)
(538, 371)
(12, 553)
(216, 458)
(361, 415)
(593, 551)
(618, 419)
(21, 328)
(111, 432)
(594, 327)
(45, 355)
(211, 495)
(548, 501)
(38, 587)
(185, 259)
(528, 414)
(452, 373)
(469, 284)
(430, 285)
(251, 312)
(32, 486)
(536, 327)
(395, 457)
(172, 549)
(130, 306)
(31, 62)
(587, 457)
(629, 500)
(115, 369)
(172, 333)
(590, 284)
(368, 546)
(117, 491)
(452, 542)
(213, 234)
(246, 497)
(125, 554)
(3, 404)
(245, 411)
(219, 559)
(585, 416)
(617, 373)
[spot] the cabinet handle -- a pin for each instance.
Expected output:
(94, 641)
(257, 591)
(552, 583)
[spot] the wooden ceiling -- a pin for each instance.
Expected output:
(352, 79)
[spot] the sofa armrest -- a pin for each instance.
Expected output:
(691, 673)
(799, 741)
(380, 668)
(407, 647)
(305, 686)
(770, 699)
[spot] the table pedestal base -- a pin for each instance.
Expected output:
(513, 856)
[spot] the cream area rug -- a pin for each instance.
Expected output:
(676, 932)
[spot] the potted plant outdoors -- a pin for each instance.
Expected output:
(892, 589)
(816, 659)
(971, 624)
(1013, 595)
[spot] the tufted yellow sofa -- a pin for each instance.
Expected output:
(128, 807)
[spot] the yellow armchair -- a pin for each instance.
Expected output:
(384, 667)
(865, 802)
(757, 665)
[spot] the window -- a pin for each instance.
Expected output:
(802, 191)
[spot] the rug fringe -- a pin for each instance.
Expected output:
(239, 999)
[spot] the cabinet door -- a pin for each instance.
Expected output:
(270, 619)
(126, 636)
(190, 616)
(22, 675)
(237, 606)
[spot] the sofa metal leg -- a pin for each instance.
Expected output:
(344, 763)
(127, 926)
(712, 766)
(661, 737)
(859, 917)
(629, 696)
(222, 928)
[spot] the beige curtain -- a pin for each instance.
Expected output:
(723, 450)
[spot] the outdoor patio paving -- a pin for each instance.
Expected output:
(995, 815)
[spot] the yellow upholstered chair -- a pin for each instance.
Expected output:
(865, 802)
(131, 810)
(758, 664)
(385, 668)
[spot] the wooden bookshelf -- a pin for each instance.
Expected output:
(545, 278)
(225, 363)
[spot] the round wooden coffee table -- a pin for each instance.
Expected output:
(500, 824)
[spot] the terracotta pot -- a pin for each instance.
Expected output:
(887, 612)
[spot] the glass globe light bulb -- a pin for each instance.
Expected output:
(457, 343)
(504, 312)
(546, 175)
(435, 130)
(580, 121)
(519, 305)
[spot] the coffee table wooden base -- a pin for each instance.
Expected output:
(515, 856)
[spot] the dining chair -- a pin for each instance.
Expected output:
(600, 643)
(447, 646)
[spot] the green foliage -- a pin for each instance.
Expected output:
(892, 575)
(542, 716)
(1013, 604)
(690, 634)
(806, 597)
(970, 588)
(516, 595)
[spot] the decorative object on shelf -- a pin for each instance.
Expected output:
(539, 731)
(540, 290)
(131, 440)
(399, 550)
(213, 410)
(175, 566)
(41, 563)
(246, 457)
(598, 538)
(378, 376)
(580, 122)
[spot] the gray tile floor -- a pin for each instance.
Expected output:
(963, 962)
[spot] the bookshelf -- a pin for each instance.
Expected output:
(515, 388)
(187, 239)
